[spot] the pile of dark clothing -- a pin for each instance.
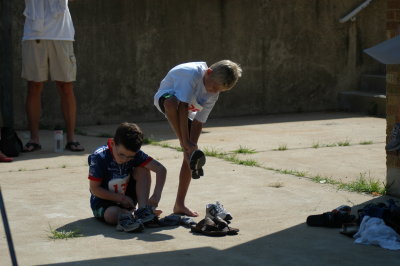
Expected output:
(374, 224)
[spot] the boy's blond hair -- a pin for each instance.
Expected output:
(226, 73)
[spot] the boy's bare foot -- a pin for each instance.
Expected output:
(185, 211)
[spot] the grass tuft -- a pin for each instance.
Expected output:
(316, 145)
(234, 159)
(365, 185)
(324, 180)
(282, 147)
(330, 145)
(248, 162)
(166, 145)
(212, 152)
(148, 141)
(244, 150)
(287, 171)
(368, 142)
(344, 143)
(63, 234)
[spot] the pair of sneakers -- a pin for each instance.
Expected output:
(217, 210)
(129, 223)
(216, 222)
(197, 161)
(394, 142)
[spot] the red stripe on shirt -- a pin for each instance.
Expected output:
(97, 179)
(149, 159)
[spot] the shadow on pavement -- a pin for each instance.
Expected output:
(298, 245)
(92, 227)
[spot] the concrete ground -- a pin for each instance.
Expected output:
(45, 191)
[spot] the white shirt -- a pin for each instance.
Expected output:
(48, 20)
(185, 82)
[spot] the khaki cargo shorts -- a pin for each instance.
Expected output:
(43, 57)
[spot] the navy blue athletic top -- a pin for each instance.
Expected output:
(113, 176)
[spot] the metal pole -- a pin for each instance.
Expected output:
(352, 14)
(7, 231)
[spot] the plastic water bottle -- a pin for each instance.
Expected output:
(58, 141)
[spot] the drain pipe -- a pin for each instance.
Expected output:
(352, 15)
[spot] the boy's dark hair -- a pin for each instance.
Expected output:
(129, 135)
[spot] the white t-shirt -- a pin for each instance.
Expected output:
(185, 82)
(48, 20)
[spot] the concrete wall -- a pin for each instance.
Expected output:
(295, 54)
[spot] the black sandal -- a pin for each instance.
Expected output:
(74, 146)
(31, 146)
(207, 227)
(197, 161)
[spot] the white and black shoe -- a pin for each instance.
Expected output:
(217, 210)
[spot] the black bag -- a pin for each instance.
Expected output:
(10, 143)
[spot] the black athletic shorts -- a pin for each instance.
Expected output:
(161, 104)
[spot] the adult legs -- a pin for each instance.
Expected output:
(68, 108)
(33, 109)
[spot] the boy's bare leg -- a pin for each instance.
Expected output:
(171, 106)
(177, 115)
(143, 184)
(111, 214)
(33, 109)
(185, 176)
(171, 111)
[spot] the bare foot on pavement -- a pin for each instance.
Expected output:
(185, 211)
